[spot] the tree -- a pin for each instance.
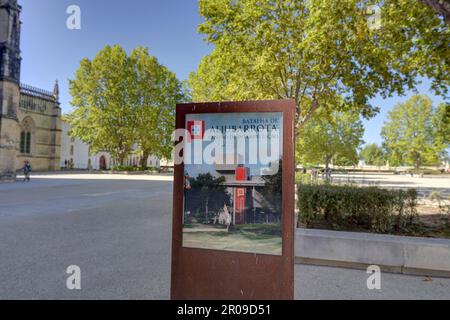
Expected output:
(325, 138)
(373, 155)
(121, 100)
(413, 133)
(442, 7)
(317, 52)
(272, 190)
(208, 193)
(157, 92)
(441, 123)
(103, 114)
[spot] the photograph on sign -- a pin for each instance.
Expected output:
(233, 182)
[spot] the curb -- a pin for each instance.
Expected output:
(396, 254)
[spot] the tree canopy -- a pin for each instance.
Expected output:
(323, 53)
(326, 138)
(120, 101)
(158, 91)
(415, 133)
(207, 193)
(373, 155)
(442, 7)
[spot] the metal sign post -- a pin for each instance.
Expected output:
(233, 207)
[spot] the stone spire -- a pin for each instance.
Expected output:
(10, 40)
(9, 87)
(9, 3)
(56, 90)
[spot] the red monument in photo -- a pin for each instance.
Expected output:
(239, 197)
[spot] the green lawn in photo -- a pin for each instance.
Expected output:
(262, 239)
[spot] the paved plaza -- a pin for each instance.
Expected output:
(424, 185)
(117, 229)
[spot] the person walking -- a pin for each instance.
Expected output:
(26, 171)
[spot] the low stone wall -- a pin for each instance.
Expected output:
(409, 255)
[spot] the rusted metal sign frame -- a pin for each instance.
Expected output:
(199, 274)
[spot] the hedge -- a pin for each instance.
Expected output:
(356, 208)
(302, 178)
(131, 168)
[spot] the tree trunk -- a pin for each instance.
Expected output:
(206, 211)
(144, 160)
(300, 121)
(442, 7)
(327, 167)
(121, 159)
(418, 162)
(327, 162)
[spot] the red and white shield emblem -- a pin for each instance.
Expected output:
(196, 129)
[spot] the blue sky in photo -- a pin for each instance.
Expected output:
(168, 28)
(246, 123)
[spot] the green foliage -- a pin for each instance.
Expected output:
(103, 114)
(415, 133)
(272, 190)
(124, 168)
(207, 194)
(435, 195)
(317, 52)
(440, 199)
(373, 155)
(302, 178)
(132, 168)
(269, 230)
(327, 137)
(347, 207)
(157, 93)
(121, 100)
(441, 123)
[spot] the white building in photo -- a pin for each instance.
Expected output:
(75, 154)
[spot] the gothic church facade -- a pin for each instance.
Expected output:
(30, 118)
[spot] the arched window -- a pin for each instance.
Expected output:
(72, 150)
(25, 138)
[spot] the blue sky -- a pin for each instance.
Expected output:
(167, 27)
